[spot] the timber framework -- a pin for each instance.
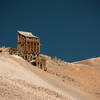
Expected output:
(28, 47)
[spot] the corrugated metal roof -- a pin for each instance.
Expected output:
(27, 34)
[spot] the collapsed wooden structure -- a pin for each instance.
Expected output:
(28, 47)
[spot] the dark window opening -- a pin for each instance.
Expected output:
(34, 63)
(37, 43)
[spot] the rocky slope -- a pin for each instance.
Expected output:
(84, 75)
(19, 80)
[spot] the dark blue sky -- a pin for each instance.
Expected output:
(68, 29)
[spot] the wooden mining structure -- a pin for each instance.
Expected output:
(28, 47)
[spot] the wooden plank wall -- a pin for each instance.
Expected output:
(29, 48)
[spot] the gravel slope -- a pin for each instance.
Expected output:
(19, 80)
(19, 83)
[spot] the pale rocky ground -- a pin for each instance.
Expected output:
(85, 75)
(19, 80)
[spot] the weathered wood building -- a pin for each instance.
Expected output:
(29, 48)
